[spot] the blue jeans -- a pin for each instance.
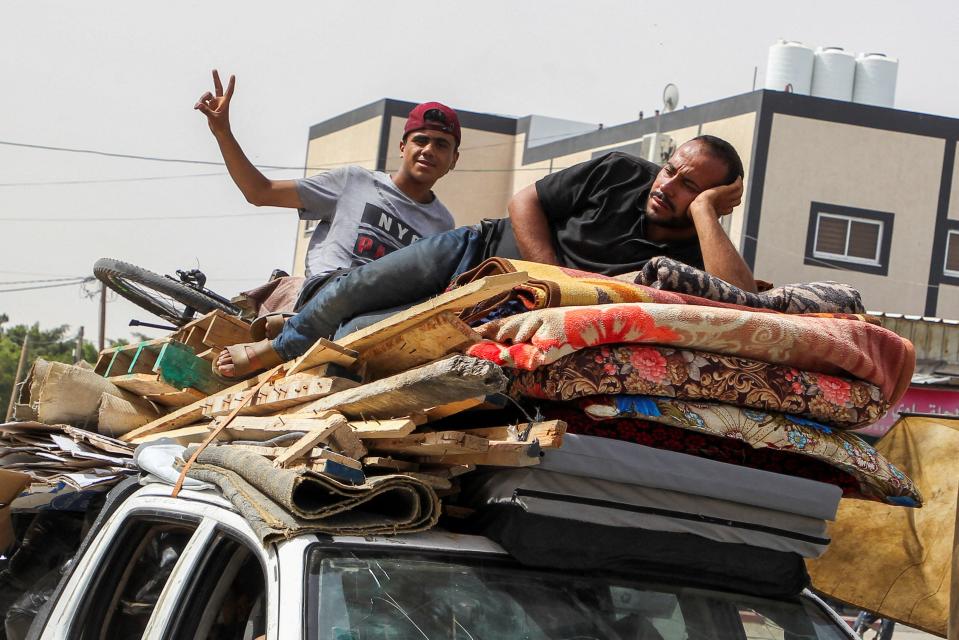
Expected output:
(397, 280)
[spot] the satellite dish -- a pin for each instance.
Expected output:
(670, 97)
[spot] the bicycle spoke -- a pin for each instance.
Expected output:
(169, 304)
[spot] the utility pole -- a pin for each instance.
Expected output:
(78, 356)
(103, 316)
(16, 378)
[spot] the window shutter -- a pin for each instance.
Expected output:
(831, 235)
(952, 252)
(864, 240)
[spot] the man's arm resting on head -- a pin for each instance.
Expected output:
(531, 228)
(720, 257)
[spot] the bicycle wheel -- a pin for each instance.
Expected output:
(163, 296)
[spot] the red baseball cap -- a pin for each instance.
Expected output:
(435, 116)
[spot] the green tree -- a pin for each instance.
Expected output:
(57, 344)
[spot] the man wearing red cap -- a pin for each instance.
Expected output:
(361, 215)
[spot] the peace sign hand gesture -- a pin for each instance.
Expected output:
(217, 107)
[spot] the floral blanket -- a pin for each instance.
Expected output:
(823, 297)
(878, 478)
(701, 375)
(554, 286)
(835, 346)
(702, 445)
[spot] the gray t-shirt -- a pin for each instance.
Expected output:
(362, 216)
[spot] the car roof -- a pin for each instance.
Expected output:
(436, 539)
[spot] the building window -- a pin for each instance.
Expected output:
(849, 238)
(952, 254)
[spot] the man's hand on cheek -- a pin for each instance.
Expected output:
(719, 201)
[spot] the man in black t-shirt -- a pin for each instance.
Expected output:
(613, 213)
(608, 215)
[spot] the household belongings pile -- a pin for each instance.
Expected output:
(669, 363)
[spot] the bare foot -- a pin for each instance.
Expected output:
(254, 357)
(224, 364)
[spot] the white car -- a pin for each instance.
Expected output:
(191, 568)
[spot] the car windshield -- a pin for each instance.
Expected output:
(375, 596)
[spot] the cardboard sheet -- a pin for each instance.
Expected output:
(898, 562)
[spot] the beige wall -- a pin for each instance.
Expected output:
(811, 160)
(525, 175)
(954, 193)
(357, 145)
(737, 131)
(480, 185)
(948, 306)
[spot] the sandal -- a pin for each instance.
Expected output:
(269, 325)
(249, 358)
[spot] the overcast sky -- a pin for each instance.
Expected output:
(122, 77)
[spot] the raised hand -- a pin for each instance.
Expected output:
(216, 106)
(721, 200)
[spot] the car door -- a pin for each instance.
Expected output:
(168, 568)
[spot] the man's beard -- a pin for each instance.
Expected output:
(673, 221)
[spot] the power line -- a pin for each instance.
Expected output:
(39, 281)
(49, 286)
(214, 163)
(46, 183)
(36, 273)
(140, 218)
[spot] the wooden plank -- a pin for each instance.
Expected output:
(210, 355)
(348, 443)
(181, 334)
(178, 418)
(179, 365)
(549, 433)
(454, 379)
(322, 352)
(315, 455)
(455, 511)
(120, 362)
(146, 356)
(283, 422)
(183, 435)
(435, 443)
(320, 433)
(452, 408)
(390, 464)
(104, 358)
(429, 340)
(179, 398)
(456, 300)
(225, 330)
(193, 338)
(281, 395)
(447, 470)
(336, 470)
(194, 412)
(371, 429)
(242, 428)
(325, 453)
(434, 481)
(498, 454)
(143, 384)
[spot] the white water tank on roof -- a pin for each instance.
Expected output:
(875, 80)
(789, 67)
(833, 73)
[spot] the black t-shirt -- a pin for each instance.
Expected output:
(597, 213)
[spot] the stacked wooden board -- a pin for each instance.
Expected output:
(367, 404)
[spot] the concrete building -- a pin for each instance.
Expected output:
(834, 190)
